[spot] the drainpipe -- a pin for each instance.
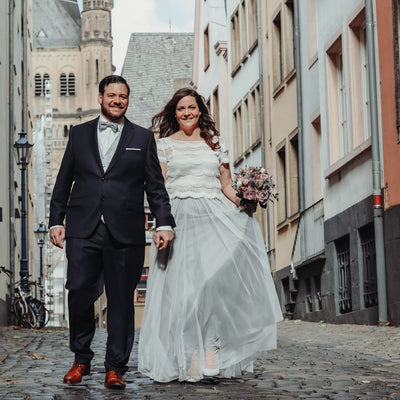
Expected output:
(297, 63)
(376, 162)
(261, 83)
(11, 189)
(262, 119)
(24, 72)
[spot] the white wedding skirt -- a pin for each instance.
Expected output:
(216, 296)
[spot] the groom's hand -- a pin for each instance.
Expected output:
(57, 236)
(163, 239)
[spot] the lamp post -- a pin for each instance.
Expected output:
(40, 233)
(22, 152)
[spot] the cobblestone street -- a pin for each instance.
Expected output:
(313, 361)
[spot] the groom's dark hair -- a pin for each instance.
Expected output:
(112, 79)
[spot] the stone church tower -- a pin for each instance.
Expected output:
(73, 52)
(96, 45)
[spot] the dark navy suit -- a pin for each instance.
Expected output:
(111, 252)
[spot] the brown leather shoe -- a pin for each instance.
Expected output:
(74, 375)
(114, 380)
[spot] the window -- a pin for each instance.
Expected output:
(235, 40)
(247, 125)
(344, 274)
(243, 28)
(97, 70)
(359, 80)
(316, 159)
(370, 285)
(238, 134)
(312, 30)
(216, 108)
(206, 49)
(71, 84)
(255, 115)
(46, 79)
(336, 95)
(253, 24)
(38, 85)
(293, 150)
(277, 51)
(281, 183)
(289, 36)
(63, 84)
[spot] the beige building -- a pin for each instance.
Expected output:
(281, 129)
(15, 111)
(71, 54)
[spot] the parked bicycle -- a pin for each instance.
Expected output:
(29, 311)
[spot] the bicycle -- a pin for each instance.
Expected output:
(29, 311)
(38, 305)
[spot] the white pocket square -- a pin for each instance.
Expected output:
(133, 149)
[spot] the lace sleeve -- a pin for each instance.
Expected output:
(223, 154)
(162, 155)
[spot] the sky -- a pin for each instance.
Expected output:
(130, 16)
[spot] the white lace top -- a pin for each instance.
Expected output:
(192, 168)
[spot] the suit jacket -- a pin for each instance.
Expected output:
(83, 191)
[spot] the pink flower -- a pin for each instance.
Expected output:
(254, 184)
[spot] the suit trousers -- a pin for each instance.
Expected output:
(93, 263)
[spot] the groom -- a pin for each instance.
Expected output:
(108, 166)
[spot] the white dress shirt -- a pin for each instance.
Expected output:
(107, 136)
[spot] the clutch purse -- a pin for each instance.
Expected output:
(163, 256)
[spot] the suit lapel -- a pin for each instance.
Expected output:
(94, 143)
(122, 144)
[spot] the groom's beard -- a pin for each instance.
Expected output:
(115, 116)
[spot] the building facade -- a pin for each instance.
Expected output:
(210, 62)
(15, 74)
(388, 31)
(245, 81)
(348, 127)
(281, 135)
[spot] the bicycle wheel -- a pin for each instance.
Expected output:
(40, 311)
(47, 316)
(25, 314)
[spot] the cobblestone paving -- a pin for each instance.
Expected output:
(312, 361)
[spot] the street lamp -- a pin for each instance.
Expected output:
(41, 233)
(22, 152)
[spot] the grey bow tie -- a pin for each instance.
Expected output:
(105, 124)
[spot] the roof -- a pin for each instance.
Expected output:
(56, 23)
(155, 64)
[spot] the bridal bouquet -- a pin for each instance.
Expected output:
(254, 185)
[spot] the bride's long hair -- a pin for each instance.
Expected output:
(166, 124)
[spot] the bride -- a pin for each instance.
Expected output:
(211, 303)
